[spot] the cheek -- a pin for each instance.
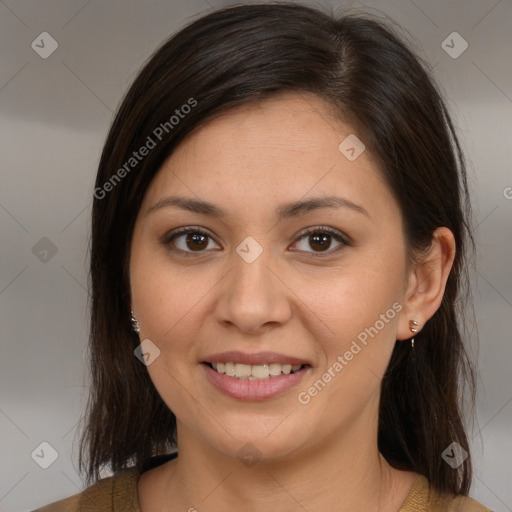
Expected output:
(353, 299)
(360, 308)
(167, 303)
(362, 314)
(159, 295)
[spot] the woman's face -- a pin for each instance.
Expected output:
(248, 289)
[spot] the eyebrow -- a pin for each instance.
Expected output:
(284, 211)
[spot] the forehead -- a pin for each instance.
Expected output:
(285, 147)
(287, 126)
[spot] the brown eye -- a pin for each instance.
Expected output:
(320, 239)
(188, 240)
(196, 241)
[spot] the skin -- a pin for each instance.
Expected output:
(322, 455)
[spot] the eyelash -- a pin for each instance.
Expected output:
(309, 231)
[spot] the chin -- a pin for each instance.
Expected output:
(260, 443)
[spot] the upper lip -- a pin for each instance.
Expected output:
(256, 358)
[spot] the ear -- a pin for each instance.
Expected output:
(426, 283)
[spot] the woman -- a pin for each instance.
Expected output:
(279, 231)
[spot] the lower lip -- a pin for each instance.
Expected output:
(254, 390)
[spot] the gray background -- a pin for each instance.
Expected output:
(55, 113)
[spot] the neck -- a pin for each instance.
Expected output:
(344, 473)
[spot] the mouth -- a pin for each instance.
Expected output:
(250, 372)
(254, 377)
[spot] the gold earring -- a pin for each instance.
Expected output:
(135, 323)
(412, 326)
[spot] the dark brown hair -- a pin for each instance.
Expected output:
(364, 70)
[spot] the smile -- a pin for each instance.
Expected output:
(254, 371)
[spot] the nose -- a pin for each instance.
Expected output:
(253, 296)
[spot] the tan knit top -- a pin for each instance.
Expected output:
(118, 493)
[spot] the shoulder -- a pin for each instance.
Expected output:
(423, 498)
(466, 504)
(117, 492)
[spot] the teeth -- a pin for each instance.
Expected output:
(243, 370)
(286, 368)
(229, 369)
(255, 371)
(275, 369)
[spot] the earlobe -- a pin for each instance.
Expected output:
(135, 323)
(427, 282)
